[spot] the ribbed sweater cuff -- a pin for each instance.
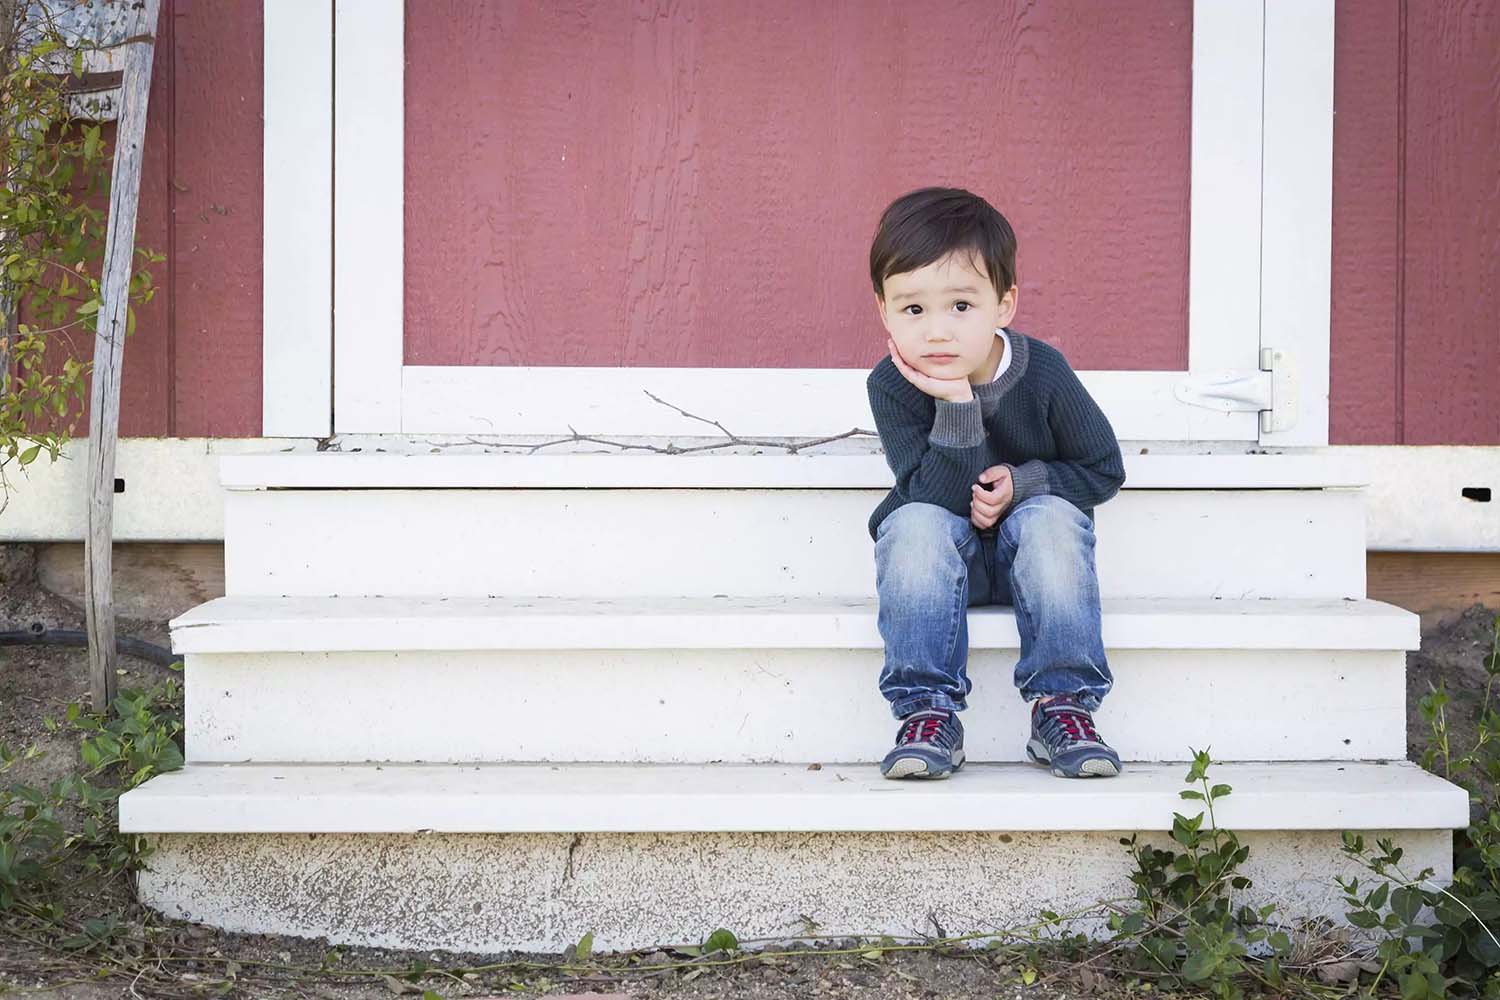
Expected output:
(1028, 479)
(958, 425)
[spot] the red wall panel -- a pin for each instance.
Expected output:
(193, 366)
(1416, 224)
(696, 184)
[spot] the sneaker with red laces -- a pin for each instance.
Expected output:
(929, 744)
(1063, 737)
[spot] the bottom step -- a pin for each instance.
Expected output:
(531, 857)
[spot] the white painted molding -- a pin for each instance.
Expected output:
(368, 224)
(1296, 245)
(297, 257)
(579, 798)
(172, 491)
(1225, 223)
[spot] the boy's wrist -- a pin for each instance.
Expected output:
(957, 424)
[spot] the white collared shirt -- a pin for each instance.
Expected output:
(1005, 357)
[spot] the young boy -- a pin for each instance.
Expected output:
(1000, 456)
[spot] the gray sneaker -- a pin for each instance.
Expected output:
(1063, 737)
(929, 744)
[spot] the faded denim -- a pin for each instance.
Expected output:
(932, 565)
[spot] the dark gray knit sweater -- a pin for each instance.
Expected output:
(1036, 418)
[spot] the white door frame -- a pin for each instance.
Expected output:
(1259, 261)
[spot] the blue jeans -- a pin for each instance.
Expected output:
(931, 565)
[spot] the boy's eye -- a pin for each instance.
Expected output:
(963, 303)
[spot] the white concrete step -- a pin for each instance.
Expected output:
(317, 624)
(665, 798)
(696, 680)
(615, 526)
(530, 858)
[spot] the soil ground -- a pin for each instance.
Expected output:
(38, 682)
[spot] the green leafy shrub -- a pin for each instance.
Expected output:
(69, 830)
(1186, 927)
(1441, 940)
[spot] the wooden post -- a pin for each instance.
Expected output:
(109, 350)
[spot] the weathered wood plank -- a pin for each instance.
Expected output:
(109, 350)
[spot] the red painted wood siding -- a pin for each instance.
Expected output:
(696, 184)
(1416, 266)
(193, 366)
(1416, 224)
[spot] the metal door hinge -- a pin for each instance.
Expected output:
(1270, 391)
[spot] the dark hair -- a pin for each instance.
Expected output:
(929, 223)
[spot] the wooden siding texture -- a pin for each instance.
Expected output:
(193, 366)
(1416, 224)
(695, 184)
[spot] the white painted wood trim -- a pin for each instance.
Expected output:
(1296, 245)
(336, 470)
(1225, 222)
(297, 257)
(369, 233)
(339, 624)
(750, 402)
(582, 798)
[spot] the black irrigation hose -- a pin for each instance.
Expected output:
(36, 634)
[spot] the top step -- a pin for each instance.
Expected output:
(366, 470)
(324, 524)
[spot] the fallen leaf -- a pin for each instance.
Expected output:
(1088, 978)
(397, 986)
(1338, 972)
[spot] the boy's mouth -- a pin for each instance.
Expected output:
(940, 357)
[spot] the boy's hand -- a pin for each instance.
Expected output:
(955, 390)
(986, 505)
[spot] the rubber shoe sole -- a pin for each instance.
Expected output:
(1092, 767)
(920, 767)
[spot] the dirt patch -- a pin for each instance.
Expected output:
(1455, 655)
(38, 682)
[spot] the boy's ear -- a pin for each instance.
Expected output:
(1008, 313)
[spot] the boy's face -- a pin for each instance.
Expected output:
(943, 317)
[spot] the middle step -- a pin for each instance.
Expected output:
(758, 680)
